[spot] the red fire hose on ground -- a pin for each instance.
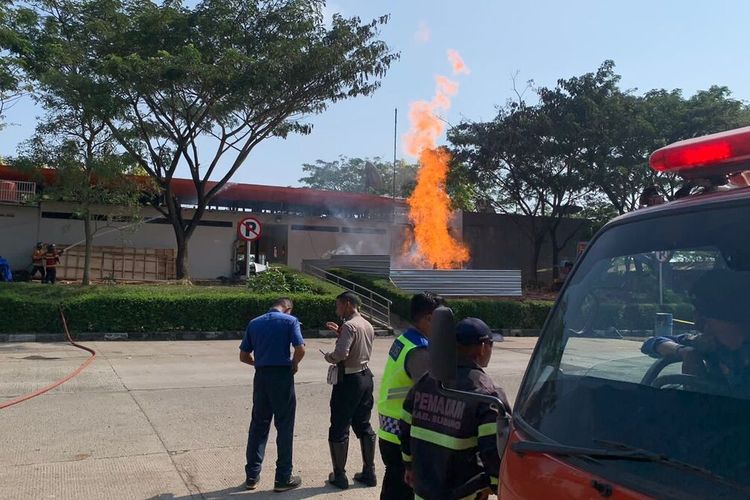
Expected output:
(78, 370)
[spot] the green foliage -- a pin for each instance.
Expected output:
(598, 213)
(283, 280)
(12, 84)
(500, 313)
(27, 307)
(462, 190)
(581, 149)
(358, 175)
(585, 140)
(638, 316)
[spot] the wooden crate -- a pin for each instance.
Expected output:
(119, 264)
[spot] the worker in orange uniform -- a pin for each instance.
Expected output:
(37, 260)
(51, 260)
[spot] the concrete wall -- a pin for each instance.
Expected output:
(307, 241)
(498, 241)
(19, 229)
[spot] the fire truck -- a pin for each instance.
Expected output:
(639, 384)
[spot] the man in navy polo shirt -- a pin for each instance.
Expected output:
(266, 347)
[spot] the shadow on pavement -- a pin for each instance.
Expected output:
(300, 493)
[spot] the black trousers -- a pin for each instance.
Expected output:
(273, 397)
(51, 275)
(37, 269)
(394, 487)
(351, 406)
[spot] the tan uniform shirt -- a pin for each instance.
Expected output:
(354, 345)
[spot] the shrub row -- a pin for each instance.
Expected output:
(284, 280)
(508, 313)
(148, 309)
(638, 316)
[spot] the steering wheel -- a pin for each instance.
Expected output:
(656, 368)
(701, 384)
(688, 381)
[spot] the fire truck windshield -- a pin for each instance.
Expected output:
(649, 348)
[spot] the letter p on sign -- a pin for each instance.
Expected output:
(249, 229)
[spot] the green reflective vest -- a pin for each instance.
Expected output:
(395, 384)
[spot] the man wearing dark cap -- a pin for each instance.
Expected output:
(351, 397)
(449, 445)
(720, 353)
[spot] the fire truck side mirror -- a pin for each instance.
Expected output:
(503, 429)
(442, 347)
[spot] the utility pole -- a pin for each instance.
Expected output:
(395, 134)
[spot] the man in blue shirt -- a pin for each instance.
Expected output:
(266, 346)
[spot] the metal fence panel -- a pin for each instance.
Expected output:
(460, 282)
(17, 191)
(371, 265)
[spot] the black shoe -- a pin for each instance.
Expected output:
(339, 453)
(340, 481)
(289, 484)
(366, 477)
(251, 484)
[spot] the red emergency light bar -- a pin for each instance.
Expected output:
(716, 154)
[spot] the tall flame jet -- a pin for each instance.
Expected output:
(429, 205)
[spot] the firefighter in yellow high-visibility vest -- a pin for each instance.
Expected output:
(407, 362)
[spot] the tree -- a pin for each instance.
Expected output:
(523, 163)
(199, 87)
(89, 171)
(606, 130)
(462, 190)
(12, 84)
(616, 130)
(358, 175)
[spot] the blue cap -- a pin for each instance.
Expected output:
(472, 331)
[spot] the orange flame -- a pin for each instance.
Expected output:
(429, 205)
(459, 66)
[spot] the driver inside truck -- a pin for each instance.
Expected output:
(720, 352)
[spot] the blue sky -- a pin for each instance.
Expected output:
(655, 44)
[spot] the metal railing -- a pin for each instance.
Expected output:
(17, 191)
(375, 307)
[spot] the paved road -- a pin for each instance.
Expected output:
(167, 420)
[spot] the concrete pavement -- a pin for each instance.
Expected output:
(168, 420)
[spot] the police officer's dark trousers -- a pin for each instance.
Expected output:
(394, 487)
(351, 406)
(273, 396)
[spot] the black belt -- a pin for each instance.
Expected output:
(365, 371)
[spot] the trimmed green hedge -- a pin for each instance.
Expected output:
(638, 316)
(498, 313)
(34, 308)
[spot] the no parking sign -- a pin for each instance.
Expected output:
(249, 229)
